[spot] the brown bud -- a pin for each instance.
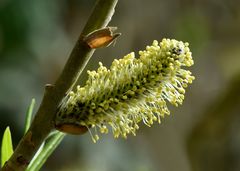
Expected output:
(101, 38)
(72, 128)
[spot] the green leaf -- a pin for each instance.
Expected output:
(45, 151)
(7, 148)
(29, 115)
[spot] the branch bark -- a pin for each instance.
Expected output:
(43, 122)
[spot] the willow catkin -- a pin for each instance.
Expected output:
(131, 91)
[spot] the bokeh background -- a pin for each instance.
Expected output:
(36, 38)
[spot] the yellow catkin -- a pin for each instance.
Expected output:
(132, 90)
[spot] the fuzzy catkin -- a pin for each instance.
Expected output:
(131, 91)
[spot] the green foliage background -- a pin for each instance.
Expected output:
(36, 38)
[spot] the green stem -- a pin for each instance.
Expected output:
(43, 123)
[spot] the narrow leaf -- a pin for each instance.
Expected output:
(49, 146)
(29, 115)
(7, 148)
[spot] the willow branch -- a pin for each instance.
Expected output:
(43, 122)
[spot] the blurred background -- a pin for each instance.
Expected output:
(36, 38)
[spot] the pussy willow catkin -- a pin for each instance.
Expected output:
(131, 91)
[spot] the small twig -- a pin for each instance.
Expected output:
(43, 122)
